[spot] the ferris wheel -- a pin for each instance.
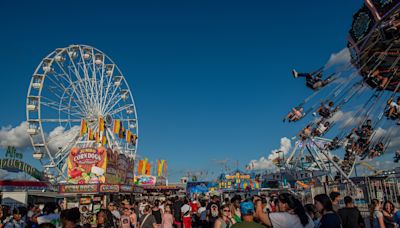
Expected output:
(70, 85)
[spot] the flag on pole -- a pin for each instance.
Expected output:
(159, 168)
(104, 140)
(117, 126)
(165, 168)
(128, 136)
(121, 133)
(162, 166)
(84, 128)
(97, 137)
(91, 137)
(134, 138)
(101, 124)
(148, 168)
(144, 166)
(140, 167)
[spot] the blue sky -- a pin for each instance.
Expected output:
(211, 79)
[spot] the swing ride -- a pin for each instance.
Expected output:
(355, 115)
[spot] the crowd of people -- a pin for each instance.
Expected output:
(279, 211)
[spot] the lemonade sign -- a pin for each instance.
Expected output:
(87, 165)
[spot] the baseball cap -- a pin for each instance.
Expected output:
(247, 208)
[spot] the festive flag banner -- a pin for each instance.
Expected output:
(128, 136)
(140, 167)
(91, 136)
(117, 126)
(83, 127)
(165, 168)
(101, 124)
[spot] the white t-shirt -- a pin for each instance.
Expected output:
(285, 220)
(185, 209)
(201, 209)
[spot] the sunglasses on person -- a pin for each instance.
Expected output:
(226, 210)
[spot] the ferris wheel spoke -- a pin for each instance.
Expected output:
(104, 97)
(83, 83)
(69, 145)
(75, 70)
(79, 92)
(120, 109)
(71, 84)
(55, 107)
(100, 86)
(65, 91)
(92, 79)
(61, 120)
(51, 140)
(118, 99)
(113, 95)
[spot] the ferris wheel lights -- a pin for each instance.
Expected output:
(129, 111)
(98, 58)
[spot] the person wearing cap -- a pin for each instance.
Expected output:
(247, 211)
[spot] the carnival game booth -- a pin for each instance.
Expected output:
(238, 182)
(97, 176)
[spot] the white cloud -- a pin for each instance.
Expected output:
(61, 138)
(339, 59)
(267, 163)
(17, 136)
